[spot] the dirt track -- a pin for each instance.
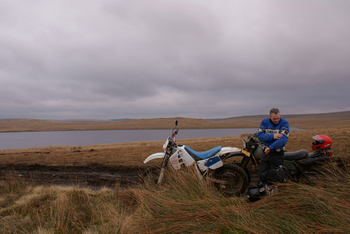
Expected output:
(92, 176)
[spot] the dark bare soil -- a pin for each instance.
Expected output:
(92, 176)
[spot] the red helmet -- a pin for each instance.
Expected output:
(321, 142)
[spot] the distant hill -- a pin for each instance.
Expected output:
(307, 121)
(114, 120)
(332, 115)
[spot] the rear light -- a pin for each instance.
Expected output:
(328, 152)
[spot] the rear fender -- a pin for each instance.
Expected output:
(154, 156)
(227, 150)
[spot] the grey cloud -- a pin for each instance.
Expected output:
(138, 59)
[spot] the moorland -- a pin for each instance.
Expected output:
(92, 201)
(306, 121)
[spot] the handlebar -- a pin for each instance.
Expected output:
(173, 134)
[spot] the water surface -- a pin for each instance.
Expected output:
(12, 140)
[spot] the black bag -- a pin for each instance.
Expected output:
(256, 193)
(277, 175)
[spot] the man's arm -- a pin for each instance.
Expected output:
(282, 137)
(262, 135)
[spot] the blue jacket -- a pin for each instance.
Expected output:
(268, 129)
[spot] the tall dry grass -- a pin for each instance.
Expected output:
(184, 204)
(28, 209)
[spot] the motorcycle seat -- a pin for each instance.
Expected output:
(295, 155)
(202, 155)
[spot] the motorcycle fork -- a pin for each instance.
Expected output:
(162, 169)
(245, 161)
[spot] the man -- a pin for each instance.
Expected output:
(273, 133)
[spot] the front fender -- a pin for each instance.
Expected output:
(154, 156)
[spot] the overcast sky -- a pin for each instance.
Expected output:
(110, 59)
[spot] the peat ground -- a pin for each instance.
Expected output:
(91, 176)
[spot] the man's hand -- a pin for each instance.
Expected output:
(267, 150)
(277, 136)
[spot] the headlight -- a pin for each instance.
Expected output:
(244, 145)
(165, 145)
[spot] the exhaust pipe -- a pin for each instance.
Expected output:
(309, 162)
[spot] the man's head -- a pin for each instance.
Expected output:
(275, 116)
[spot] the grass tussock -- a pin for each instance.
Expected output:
(27, 209)
(186, 205)
(183, 204)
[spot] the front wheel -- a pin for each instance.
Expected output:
(231, 179)
(151, 175)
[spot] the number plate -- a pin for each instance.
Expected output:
(245, 152)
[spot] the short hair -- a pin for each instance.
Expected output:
(274, 111)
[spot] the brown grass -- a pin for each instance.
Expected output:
(182, 205)
(131, 155)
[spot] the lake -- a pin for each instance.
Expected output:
(18, 140)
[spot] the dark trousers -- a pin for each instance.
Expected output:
(268, 165)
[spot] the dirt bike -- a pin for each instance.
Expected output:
(230, 179)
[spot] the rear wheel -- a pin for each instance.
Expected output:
(231, 179)
(151, 175)
(238, 159)
(246, 171)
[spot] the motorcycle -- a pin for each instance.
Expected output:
(300, 163)
(297, 164)
(230, 179)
